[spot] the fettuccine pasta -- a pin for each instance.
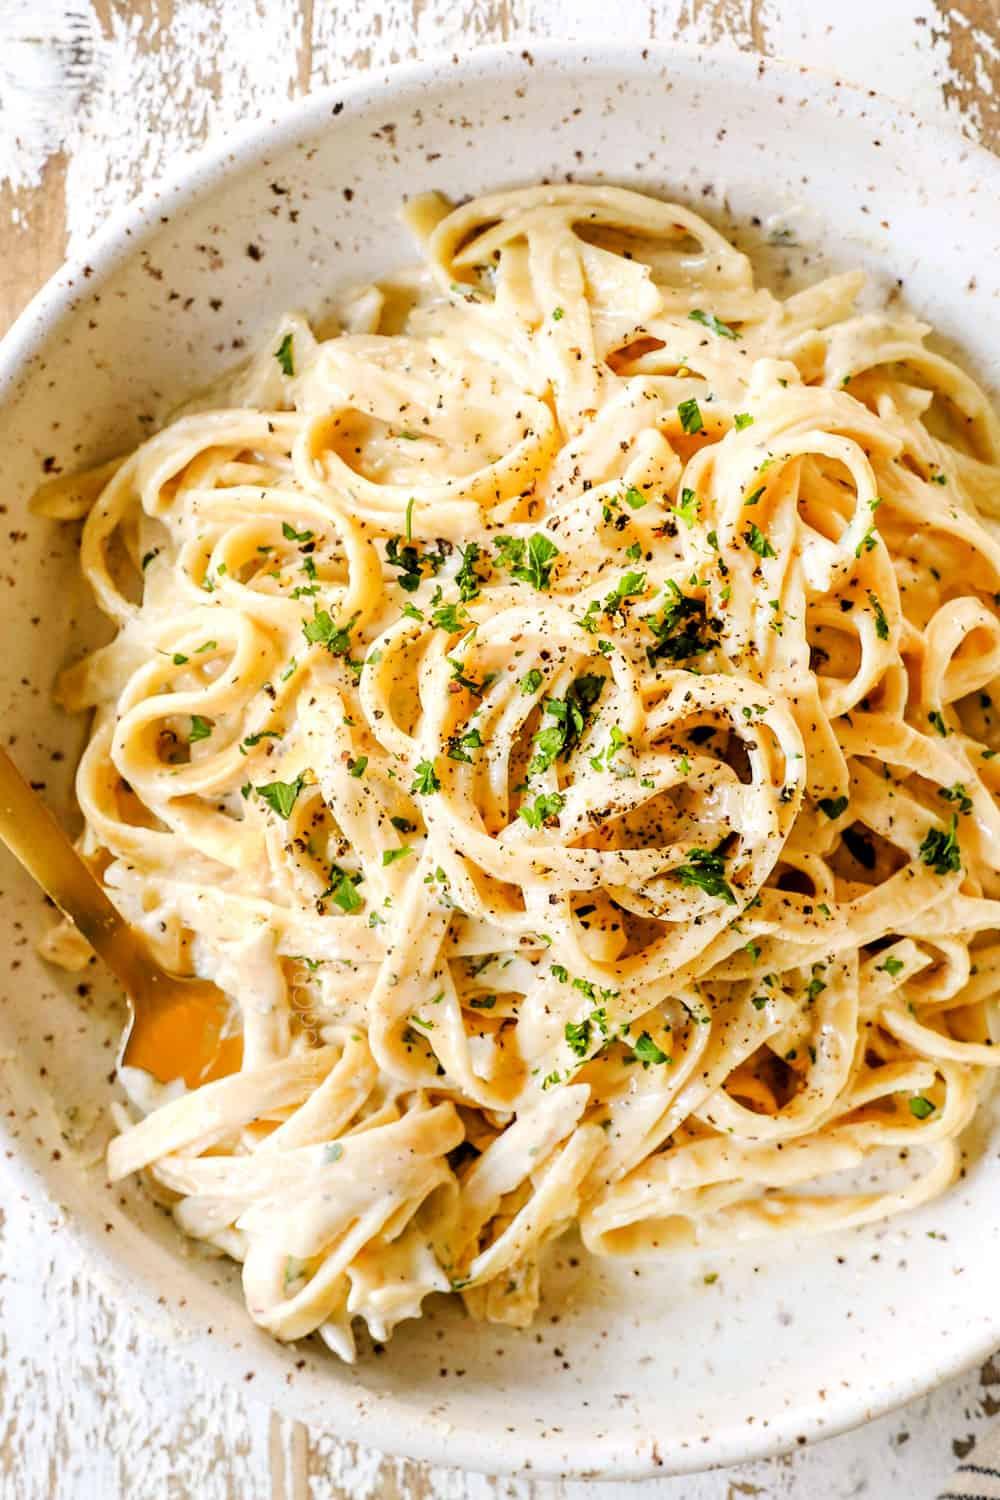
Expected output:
(556, 703)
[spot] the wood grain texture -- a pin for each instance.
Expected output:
(93, 1406)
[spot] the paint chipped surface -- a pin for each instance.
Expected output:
(96, 101)
(970, 31)
(50, 63)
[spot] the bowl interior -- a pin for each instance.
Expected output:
(632, 1369)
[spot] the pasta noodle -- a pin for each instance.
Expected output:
(556, 706)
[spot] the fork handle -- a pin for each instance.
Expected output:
(34, 837)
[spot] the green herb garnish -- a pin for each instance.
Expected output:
(758, 542)
(940, 849)
(709, 320)
(425, 779)
(881, 623)
(528, 561)
(545, 806)
(647, 1051)
(690, 415)
(467, 579)
(682, 629)
(687, 510)
(571, 715)
(284, 354)
(321, 631)
(705, 870)
(833, 806)
(281, 796)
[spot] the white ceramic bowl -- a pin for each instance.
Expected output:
(631, 1371)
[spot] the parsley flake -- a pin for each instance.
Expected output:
(425, 779)
(281, 796)
(940, 849)
(285, 355)
(690, 415)
(709, 320)
(705, 870)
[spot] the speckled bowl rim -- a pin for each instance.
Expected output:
(387, 1423)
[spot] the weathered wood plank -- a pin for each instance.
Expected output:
(35, 241)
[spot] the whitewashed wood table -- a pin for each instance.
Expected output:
(97, 97)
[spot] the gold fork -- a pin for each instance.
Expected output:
(177, 1026)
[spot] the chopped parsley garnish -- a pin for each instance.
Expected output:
(892, 966)
(578, 1037)
(687, 510)
(571, 715)
(459, 745)
(690, 415)
(450, 617)
(425, 779)
(285, 356)
(179, 659)
(469, 683)
(816, 985)
(628, 586)
(545, 806)
(758, 542)
(634, 498)
(921, 1107)
(201, 728)
(957, 793)
(936, 719)
(281, 796)
(833, 806)
(531, 682)
(940, 850)
(615, 742)
(528, 561)
(291, 535)
(255, 739)
(870, 538)
(321, 631)
(412, 562)
(357, 768)
(705, 870)
(709, 320)
(881, 623)
(647, 1051)
(344, 890)
(467, 579)
(742, 419)
(682, 629)
(390, 856)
